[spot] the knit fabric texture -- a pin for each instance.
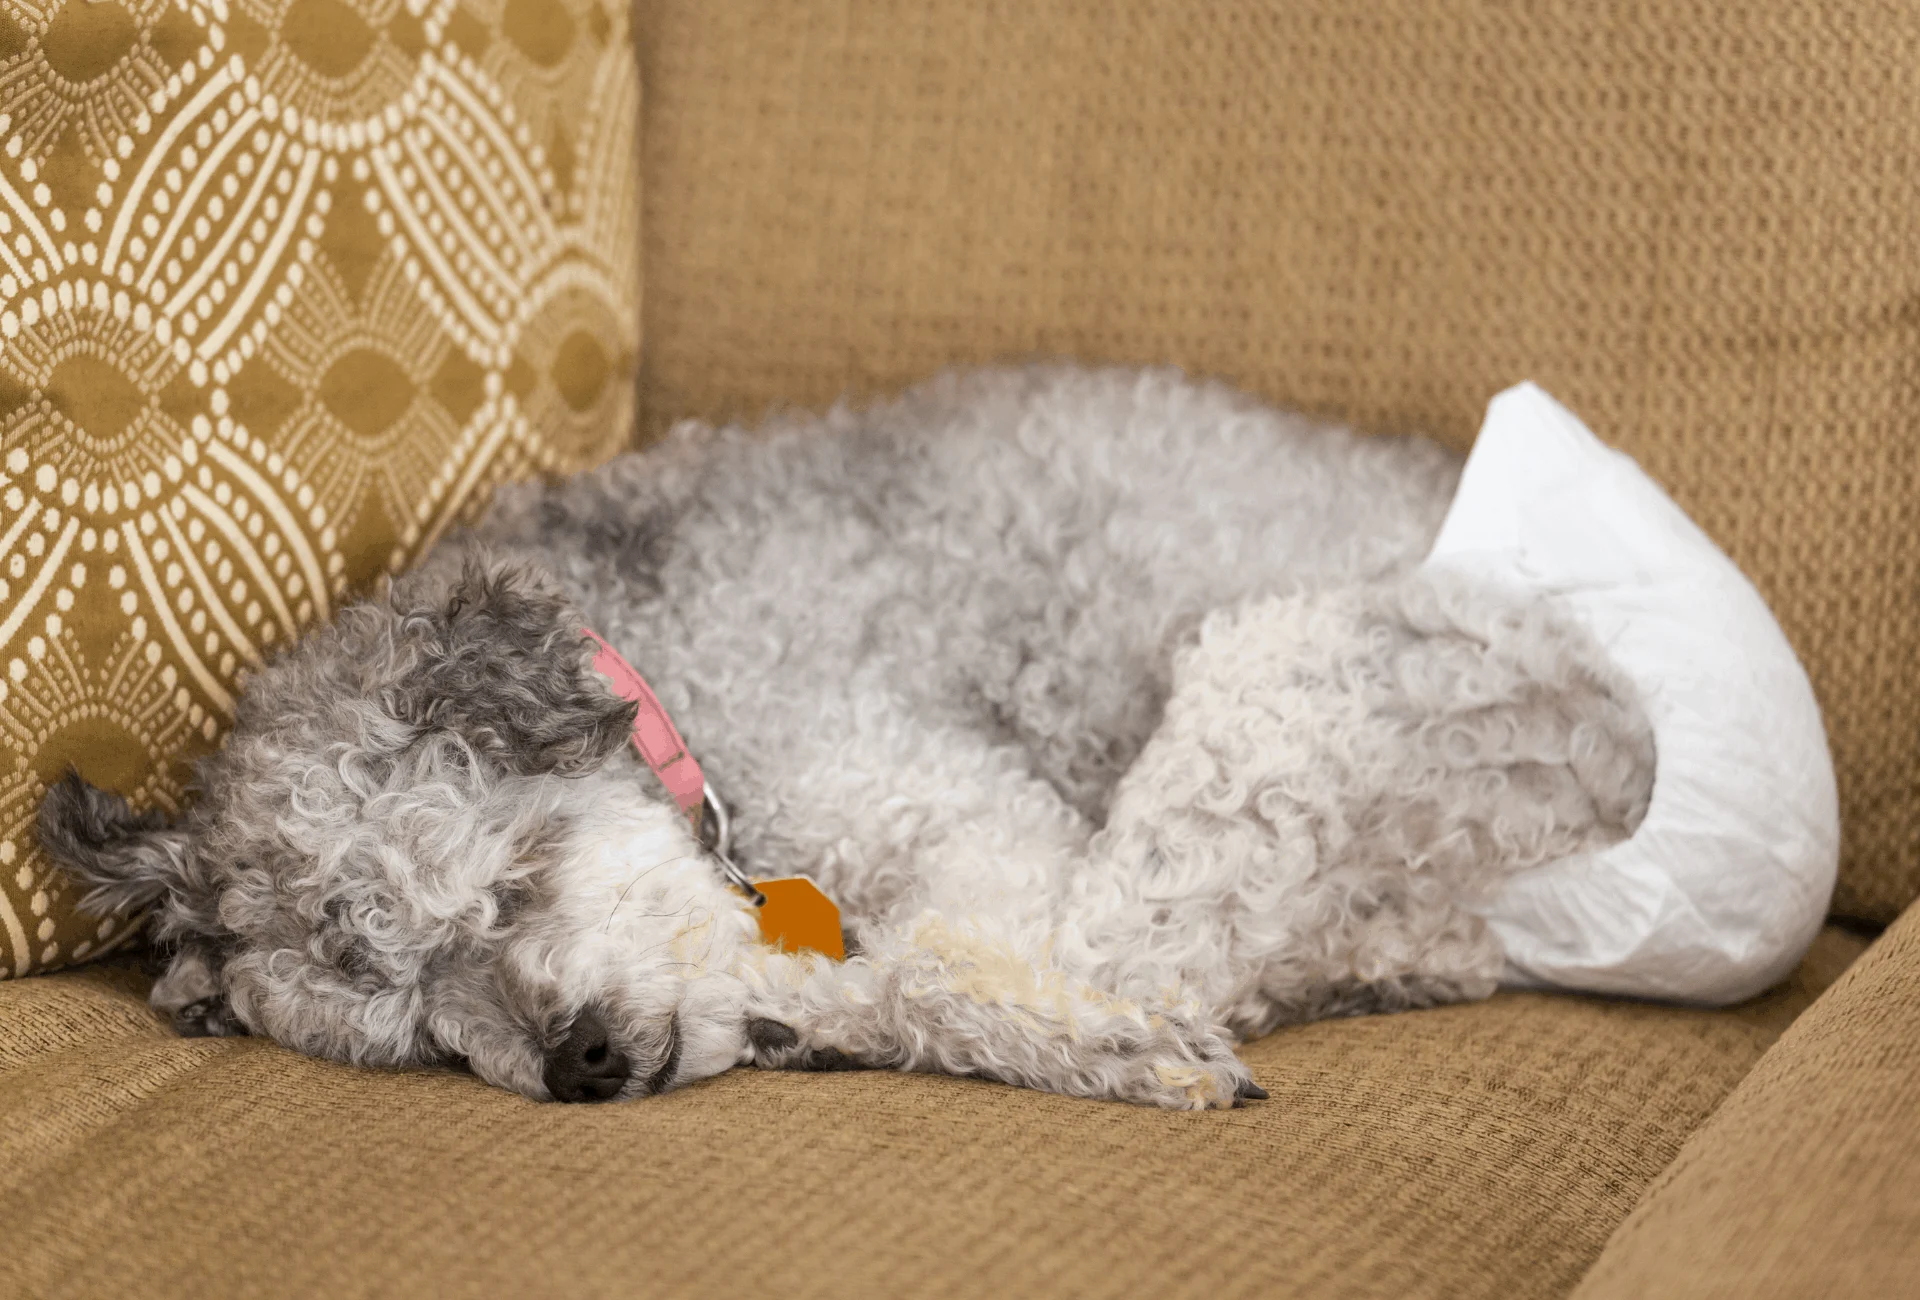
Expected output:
(1477, 1150)
(1693, 224)
(285, 288)
(1803, 1182)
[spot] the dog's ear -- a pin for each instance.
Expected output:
(503, 661)
(127, 860)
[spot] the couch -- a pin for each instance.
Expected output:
(1693, 224)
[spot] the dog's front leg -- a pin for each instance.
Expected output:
(973, 997)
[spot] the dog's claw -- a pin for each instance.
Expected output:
(1250, 1091)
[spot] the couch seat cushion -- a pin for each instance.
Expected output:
(1475, 1150)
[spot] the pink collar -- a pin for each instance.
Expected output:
(659, 742)
(794, 915)
(654, 734)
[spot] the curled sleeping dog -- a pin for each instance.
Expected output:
(1109, 707)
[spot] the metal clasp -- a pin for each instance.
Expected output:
(716, 836)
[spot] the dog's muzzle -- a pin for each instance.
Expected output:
(585, 1065)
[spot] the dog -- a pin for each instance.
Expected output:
(1112, 708)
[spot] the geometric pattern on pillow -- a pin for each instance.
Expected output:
(286, 287)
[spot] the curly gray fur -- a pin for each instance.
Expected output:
(1109, 706)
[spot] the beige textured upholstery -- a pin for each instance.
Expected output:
(1804, 1181)
(1482, 1150)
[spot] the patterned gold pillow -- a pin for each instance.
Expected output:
(285, 287)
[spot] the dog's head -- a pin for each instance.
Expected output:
(427, 841)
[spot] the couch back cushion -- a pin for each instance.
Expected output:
(285, 288)
(1694, 224)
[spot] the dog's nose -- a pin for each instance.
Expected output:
(586, 1066)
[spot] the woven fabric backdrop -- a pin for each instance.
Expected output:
(1699, 225)
(285, 287)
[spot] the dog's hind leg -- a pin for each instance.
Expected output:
(1338, 778)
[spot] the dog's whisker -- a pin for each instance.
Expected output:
(617, 903)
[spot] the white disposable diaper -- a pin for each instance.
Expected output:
(1719, 892)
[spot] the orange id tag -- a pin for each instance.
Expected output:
(798, 916)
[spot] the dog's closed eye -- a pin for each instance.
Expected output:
(349, 953)
(533, 855)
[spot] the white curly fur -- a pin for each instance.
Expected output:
(1107, 705)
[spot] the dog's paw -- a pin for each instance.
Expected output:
(210, 1017)
(1186, 1068)
(770, 1037)
(777, 1047)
